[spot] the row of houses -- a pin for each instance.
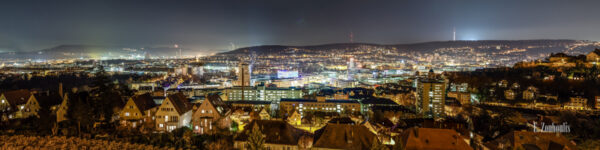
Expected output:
(176, 111)
(281, 135)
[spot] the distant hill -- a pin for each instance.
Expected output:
(92, 51)
(543, 45)
(534, 47)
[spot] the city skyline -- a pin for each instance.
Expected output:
(213, 27)
(300, 75)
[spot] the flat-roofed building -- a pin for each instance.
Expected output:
(320, 104)
(262, 93)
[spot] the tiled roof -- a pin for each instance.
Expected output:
(382, 101)
(431, 138)
(144, 101)
(218, 103)
(180, 103)
(526, 139)
(276, 131)
(17, 97)
(343, 136)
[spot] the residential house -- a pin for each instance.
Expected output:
(593, 56)
(560, 58)
(509, 94)
(530, 93)
(19, 104)
(464, 98)
(174, 112)
(278, 135)
(295, 118)
(138, 109)
(343, 136)
(264, 114)
(213, 113)
(503, 83)
(432, 138)
(531, 140)
(241, 115)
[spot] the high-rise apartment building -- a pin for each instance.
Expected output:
(431, 96)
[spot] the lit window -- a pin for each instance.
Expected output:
(166, 118)
(160, 125)
(127, 114)
(202, 110)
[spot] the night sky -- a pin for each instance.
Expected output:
(216, 25)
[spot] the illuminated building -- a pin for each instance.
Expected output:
(509, 94)
(138, 109)
(174, 112)
(463, 97)
(213, 113)
(576, 103)
(262, 93)
(320, 104)
(351, 69)
(19, 104)
(431, 96)
(593, 56)
(243, 75)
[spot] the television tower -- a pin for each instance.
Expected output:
(453, 34)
